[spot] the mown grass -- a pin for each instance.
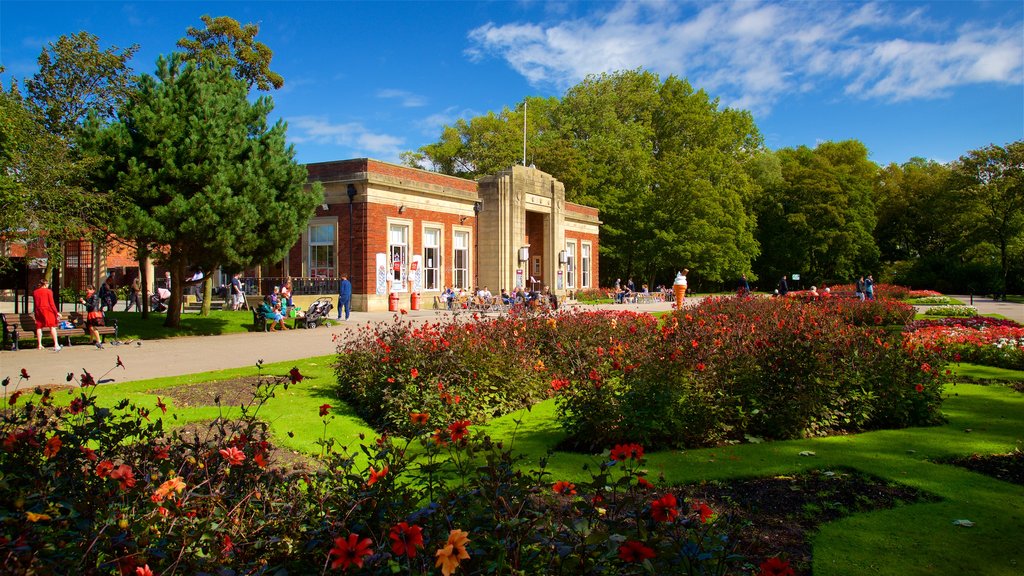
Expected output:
(917, 539)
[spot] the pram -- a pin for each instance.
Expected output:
(317, 311)
(158, 301)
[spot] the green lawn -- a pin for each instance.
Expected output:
(917, 539)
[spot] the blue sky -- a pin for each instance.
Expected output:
(930, 79)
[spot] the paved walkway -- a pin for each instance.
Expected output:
(193, 354)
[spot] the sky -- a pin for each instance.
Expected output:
(374, 79)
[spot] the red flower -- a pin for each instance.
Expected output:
(633, 551)
(626, 451)
(439, 437)
(14, 397)
(229, 546)
(161, 453)
(160, 404)
(88, 380)
(775, 567)
(926, 367)
(419, 417)
(124, 475)
(90, 454)
(664, 509)
(563, 487)
(594, 375)
(700, 366)
(24, 374)
(558, 384)
(325, 409)
(459, 430)
(260, 460)
(52, 447)
(644, 483)
(144, 571)
(405, 539)
(703, 510)
(103, 468)
(414, 373)
(295, 376)
(233, 455)
(350, 551)
(76, 406)
(919, 387)
(375, 475)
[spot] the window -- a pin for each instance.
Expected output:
(431, 258)
(460, 256)
(585, 265)
(570, 264)
(321, 255)
(398, 248)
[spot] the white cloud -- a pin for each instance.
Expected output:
(407, 99)
(357, 139)
(754, 53)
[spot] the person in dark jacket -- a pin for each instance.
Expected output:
(344, 296)
(783, 287)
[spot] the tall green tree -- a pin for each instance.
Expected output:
(990, 181)
(226, 42)
(203, 173)
(819, 220)
(915, 209)
(76, 78)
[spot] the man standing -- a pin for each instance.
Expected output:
(869, 288)
(237, 293)
(679, 288)
(783, 288)
(344, 296)
(860, 288)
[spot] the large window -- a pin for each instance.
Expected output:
(460, 256)
(570, 264)
(431, 258)
(398, 249)
(322, 252)
(585, 265)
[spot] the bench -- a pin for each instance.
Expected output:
(259, 321)
(647, 297)
(23, 326)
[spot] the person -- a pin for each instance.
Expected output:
(813, 293)
(859, 287)
(630, 284)
(448, 297)
(93, 314)
(783, 288)
(551, 297)
(196, 285)
(133, 295)
(272, 312)
(344, 296)
(167, 280)
(286, 293)
(506, 298)
(623, 294)
(744, 286)
(237, 292)
(108, 297)
(46, 314)
(869, 288)
(679, 288)
(645, 289)
(618, 284)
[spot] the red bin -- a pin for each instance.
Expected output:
(393, 302)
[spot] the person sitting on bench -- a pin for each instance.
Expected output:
(272, 314)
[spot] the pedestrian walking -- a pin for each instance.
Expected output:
(344, 296)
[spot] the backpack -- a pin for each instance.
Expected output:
(92, 303)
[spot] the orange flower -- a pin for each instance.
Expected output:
(52, 447)
(144, 571)
(375, 476)
(233, 455)
(103, 468)
(419, 417)
(563, 487)
(124, 475)
(459, 430)
(453, 552)
(414, 373)
(627, 451)
(173, 485)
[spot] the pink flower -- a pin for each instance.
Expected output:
(233, 455)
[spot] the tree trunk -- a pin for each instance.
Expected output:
(173, 319)
(142, 252)
(207, 294)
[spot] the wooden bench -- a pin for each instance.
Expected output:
(259, 321)
(23, 327)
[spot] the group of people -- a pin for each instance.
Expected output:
(49, 318)
(276, 305)
(483, 298)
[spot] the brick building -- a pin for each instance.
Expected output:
(398, 229)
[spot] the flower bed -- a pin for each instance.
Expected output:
(91, 490)
(981, 340)
(727, 370)
(952, 311)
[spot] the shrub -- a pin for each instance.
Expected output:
(94, 490)
(978, 339)
(932, 300)
(953, 311)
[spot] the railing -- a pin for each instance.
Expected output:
(317, 285)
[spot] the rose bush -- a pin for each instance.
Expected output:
(978, 339)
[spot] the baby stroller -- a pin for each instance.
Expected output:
(158, 301)
(317, 311)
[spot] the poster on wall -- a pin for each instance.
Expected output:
(519, 278)
(560, 280)
(382, 273)
(416, 273)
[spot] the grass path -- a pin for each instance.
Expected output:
(917, 539)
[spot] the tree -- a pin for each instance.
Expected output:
(914, 209)
(819, 220)
(202, 173)
(75, 78)
(991, 183)
(227, 43)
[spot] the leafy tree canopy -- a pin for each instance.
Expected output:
(202, 172)
(226, 42)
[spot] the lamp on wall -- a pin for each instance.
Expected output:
(563, 258)
(401, 209)
(323, 206)
(524, 254)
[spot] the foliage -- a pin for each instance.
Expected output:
(202, 173)
(227, 43)
(594, 295)
(727, 369)
(819, 220)
(915, 205)
(98, 490)
(955, 311)
(976, 339)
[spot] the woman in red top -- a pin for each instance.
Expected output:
(47, 315)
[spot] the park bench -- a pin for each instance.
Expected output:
(259, 321)
(23, 327)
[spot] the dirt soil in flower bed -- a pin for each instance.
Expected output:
(1007, 467)
(237, 392)
(784, 512)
